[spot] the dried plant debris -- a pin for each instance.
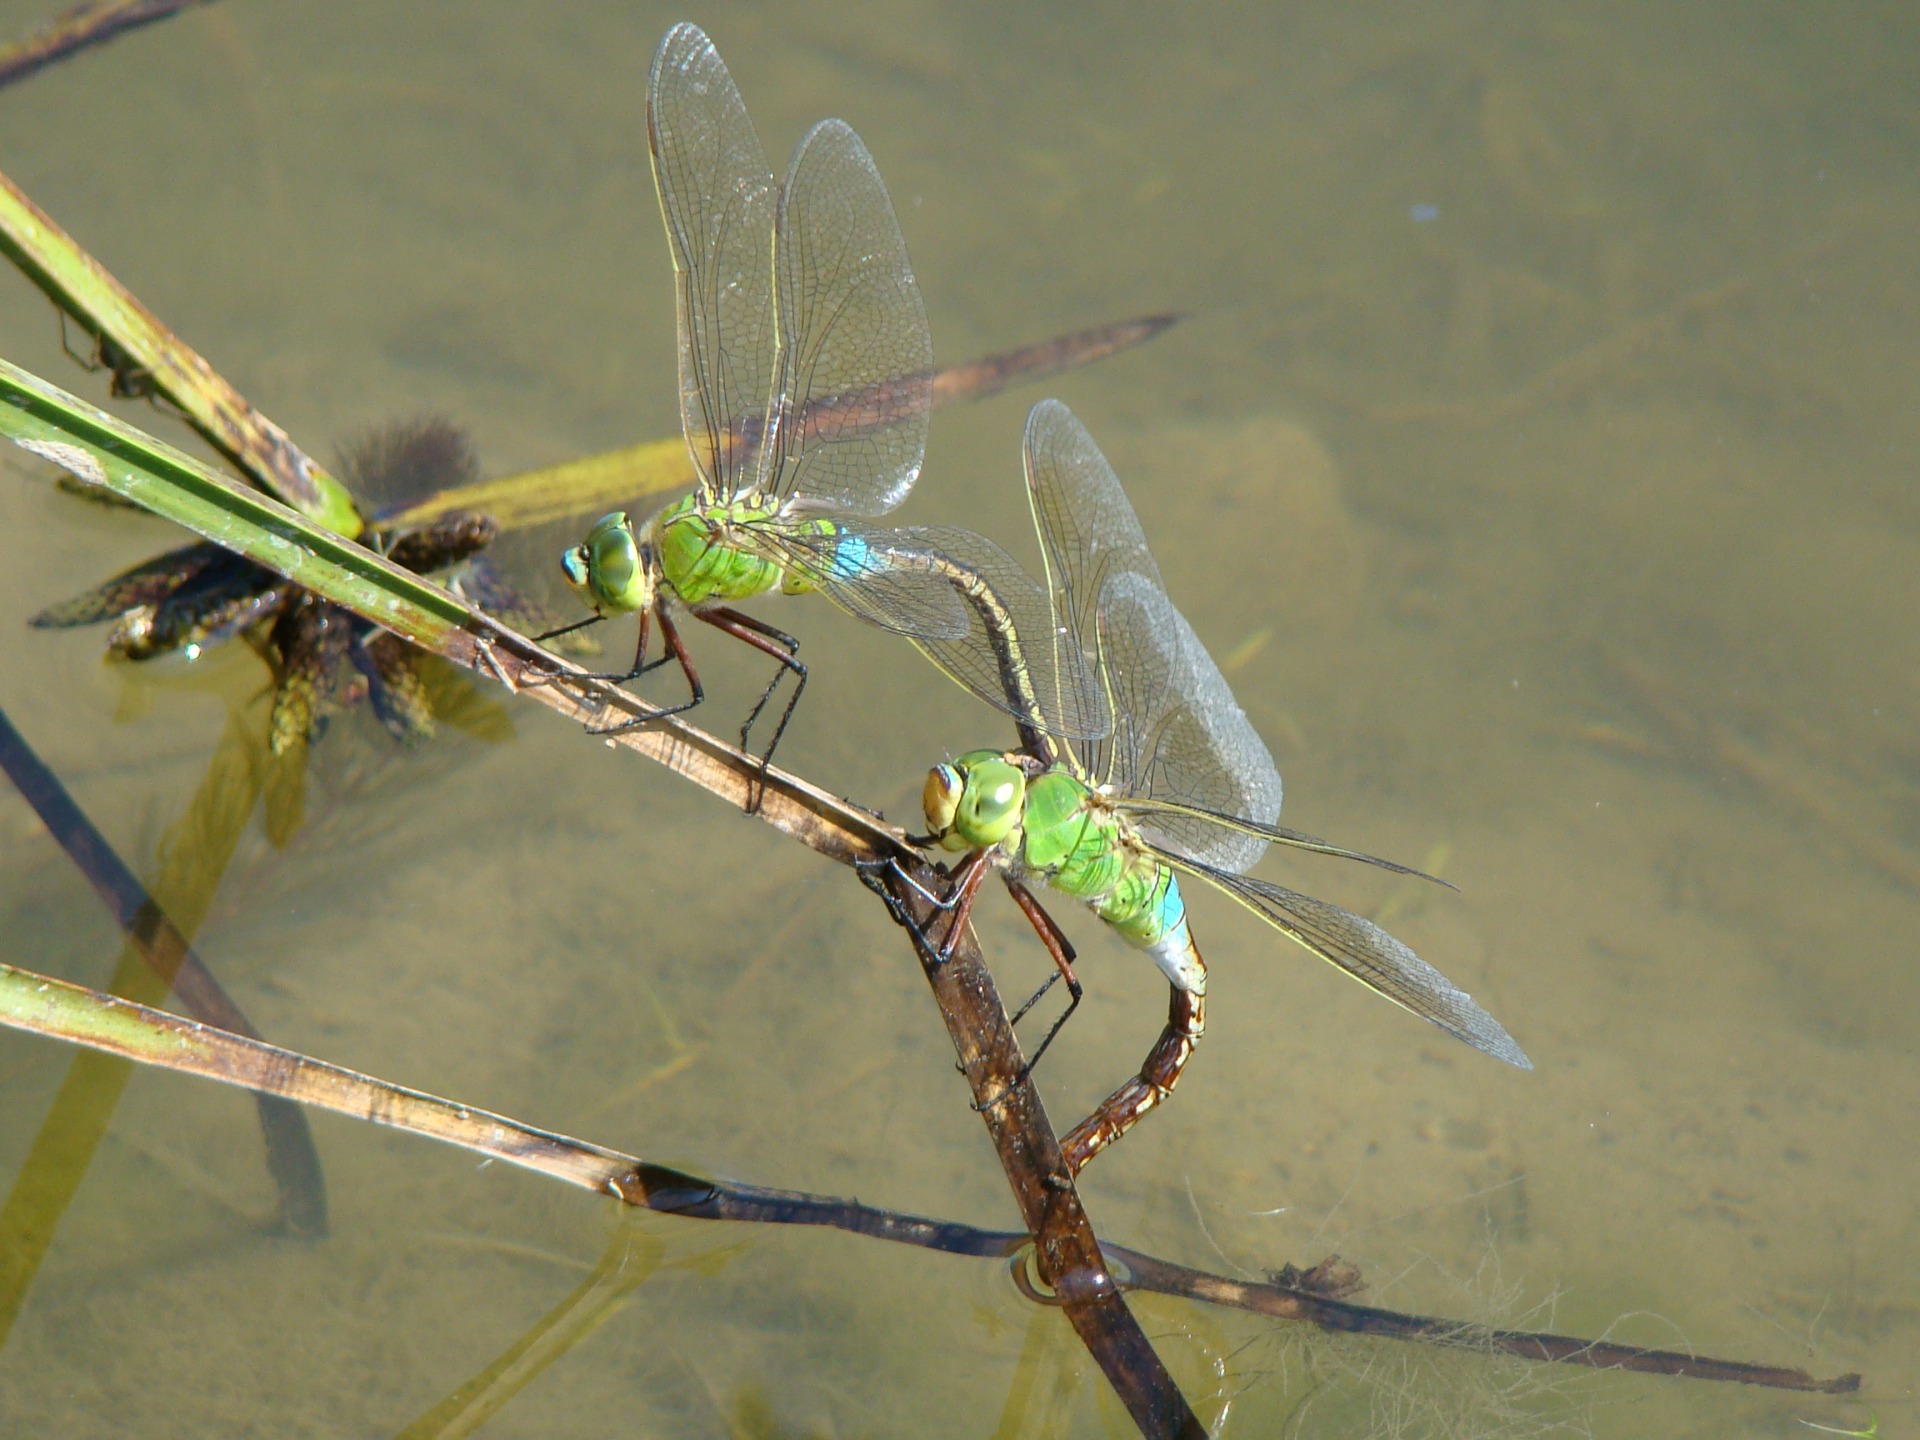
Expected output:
(199, 595)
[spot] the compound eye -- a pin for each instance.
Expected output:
(995, 804)
(613, 558)
(994, 796)
(941, 798)
(608, 569)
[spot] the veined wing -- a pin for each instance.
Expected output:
(1088, 532)
(853, 382)
(1144, 811)
(1185, 738)
(1178, 734)
(967, 604)
(718, 199)
(1370, 955)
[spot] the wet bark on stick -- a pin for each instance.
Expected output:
(80, 28)
(1313, 1297)
(1066, 1252)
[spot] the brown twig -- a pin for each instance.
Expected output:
(1143, 1272)
(104, 1022)
(1065, 1248)
(977, 379)
(292, 1157)
(93, 23)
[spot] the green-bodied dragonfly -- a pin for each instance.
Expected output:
(805, 385)
(1179, 784)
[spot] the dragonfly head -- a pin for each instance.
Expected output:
(975, 801)
(612, 570)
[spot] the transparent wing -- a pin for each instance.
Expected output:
(1178, 735)
(966, 603)
(854, 381)
(1186, 739)
(718, 199)
(1371, 956)
(1144, 811)
(1088, 530)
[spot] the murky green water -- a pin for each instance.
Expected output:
(1541, 444)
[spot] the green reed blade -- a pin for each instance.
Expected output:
(103, 450)
(151, 353)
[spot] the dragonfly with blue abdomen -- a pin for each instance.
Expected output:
(806, 378)
(1174, 783)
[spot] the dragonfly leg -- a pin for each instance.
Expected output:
(1032, 1000)
(871, 873)
(782, 647)
(960, 897)
(1061, 949)
(644, 666)
(939, 902)
(530, 679)
(677, 649)
(618, 677)
(560, 630)
(1122, 1110)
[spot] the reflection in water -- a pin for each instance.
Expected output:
(1636, 399)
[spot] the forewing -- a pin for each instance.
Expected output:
(854, 381)
(1088, 531)
(1145, 811)
(968, 605)
(1371, 956)
(718, 199)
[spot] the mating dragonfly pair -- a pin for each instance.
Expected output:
(805, 387)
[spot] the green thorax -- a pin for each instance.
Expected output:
(1090, 853)
(704, 555)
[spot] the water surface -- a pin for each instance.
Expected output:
(1540, 446)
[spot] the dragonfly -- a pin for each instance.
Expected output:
(806, 381)
(1176, 785)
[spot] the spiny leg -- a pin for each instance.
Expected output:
(870, 869)
(1061, 949)
(641, 665)
(782, 647)
(668, 653)
(871, 873)
(677, 650)
(530, 680)
(960, 898)
(1122, 1110)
